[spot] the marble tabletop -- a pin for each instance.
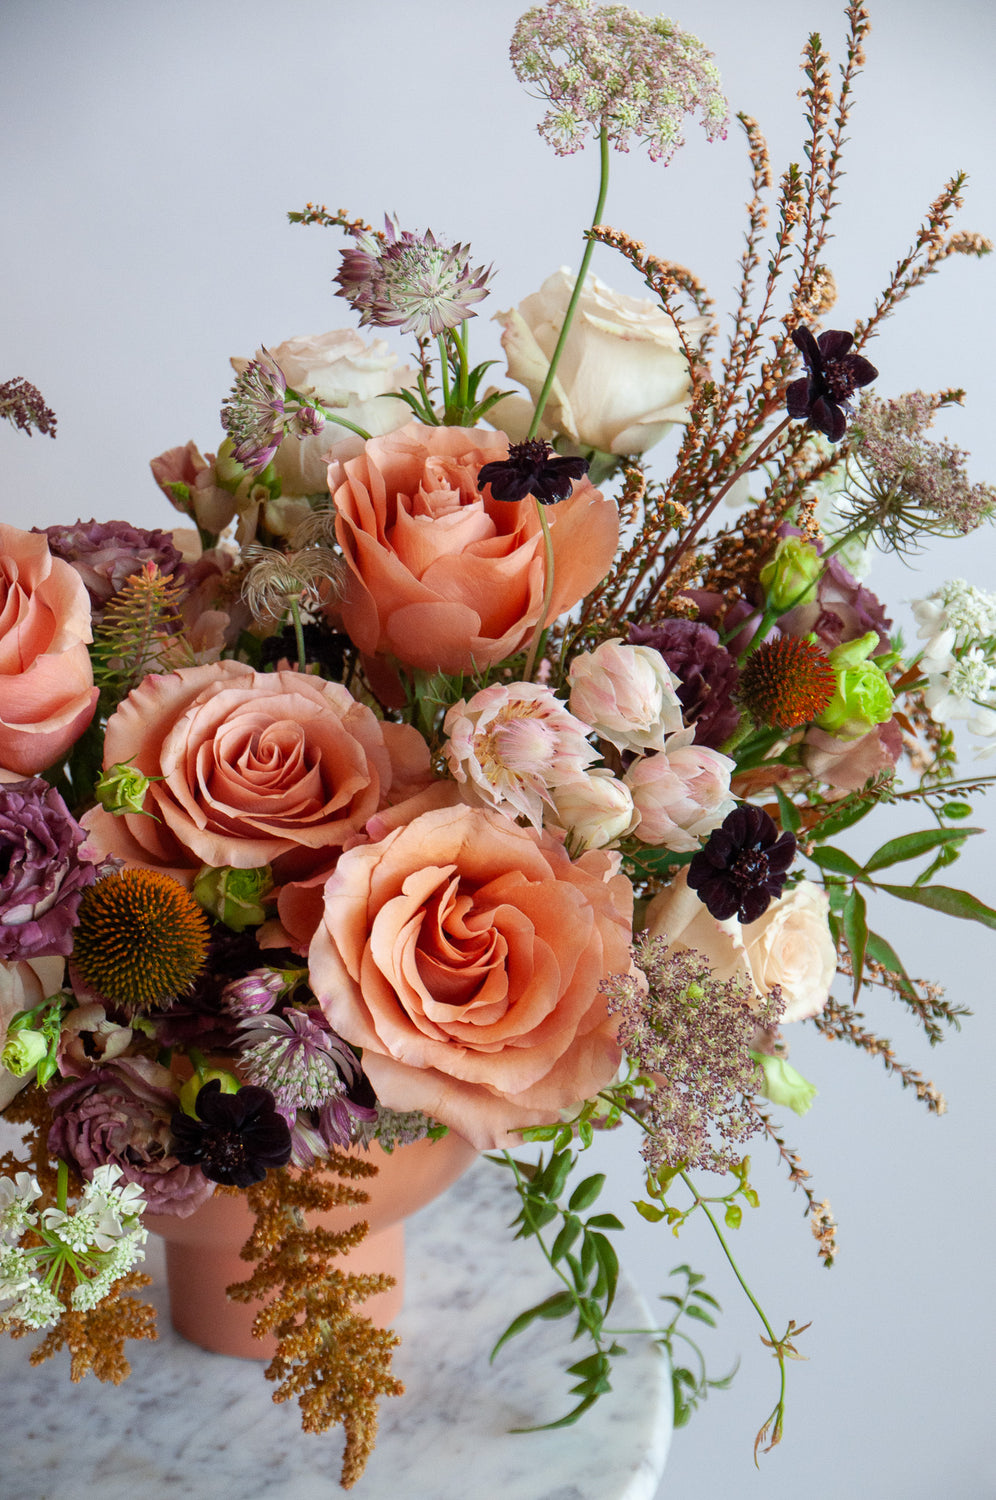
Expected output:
(189, 1423)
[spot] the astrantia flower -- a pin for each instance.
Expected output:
(297, 1057)
(412, 282)
(141, 939)
(742, 866)
(787, 682)
(822, 397)
(237, 1137)
(42, 872)
(532, 468)
(613, 68)
(254, 415)
(508, 746)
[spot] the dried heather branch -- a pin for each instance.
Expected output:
(818, 1212)
(839, 1021)
(314, 213)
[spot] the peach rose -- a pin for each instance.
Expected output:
(443, 577)
(790, 945)
(257, 768)
(464, 955)
(23, 985)
(47, 696)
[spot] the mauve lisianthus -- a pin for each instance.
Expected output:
(189, 480)
(256, 768)
(44, 873)
(509, 745)
(705, 675)
(442, 577)
(464, 955)
(105, 553)
(120, 1113)
(47, 696)
(626, 694)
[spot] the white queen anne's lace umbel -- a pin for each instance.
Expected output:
(958, 623)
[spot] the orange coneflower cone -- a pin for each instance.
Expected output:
(141, 940)
(786, 682)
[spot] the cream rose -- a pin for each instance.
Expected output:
(622, 380)
(464, 954)
(790, 945)
(47, 696)
(348, 376)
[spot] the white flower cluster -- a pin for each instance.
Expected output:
(958, 623)
(97, 1244)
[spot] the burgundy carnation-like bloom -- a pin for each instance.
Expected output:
(532, 468)
(742, 866)
(707, 672)
(822, 396)
(237, 1137)
(106, 553)
(42, 872)
(120, 1113)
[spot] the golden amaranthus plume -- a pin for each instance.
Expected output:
(334, 1360)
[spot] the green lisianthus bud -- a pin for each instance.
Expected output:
(227, 472)
(783, 1085)
(23, 1052)
(192, 1087)
(793, 574)
(234, 896)
(122, 789)
(863, 697)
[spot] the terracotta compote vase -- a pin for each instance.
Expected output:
(202, 1251)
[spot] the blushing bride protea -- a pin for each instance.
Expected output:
(508, 746)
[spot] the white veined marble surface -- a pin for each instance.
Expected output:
(189, 1423)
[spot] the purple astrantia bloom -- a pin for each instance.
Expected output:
(105, 553)
(255, 415)
(297, 1057)
(236, 1138)
(823, 396)
(43, 873)
(707, 674)
(742, 866)
(412, 282)
(532, 468)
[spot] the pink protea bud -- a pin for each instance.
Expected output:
(681, 795)
(627, 695)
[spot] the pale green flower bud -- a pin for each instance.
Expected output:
(783, 1085)
(234, 896)
(863, 697)
(122, 789)
(192, 1087)
(23, 1052)
(793, 574)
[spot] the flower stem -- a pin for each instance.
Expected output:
(603, 188)
(329, 416)
(295, 613)
(547, 591)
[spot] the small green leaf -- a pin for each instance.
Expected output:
(609, 1262)
(694, 1311)
(829, 858)
(912, 845)
(649, 1211)
(557, 1306)
(855, 923)
(565, 1239)
(604, 1221)
(586, 1192)
(883, 953)
(734, 1218)
(944, 898)
(956, 810)
(788, 812)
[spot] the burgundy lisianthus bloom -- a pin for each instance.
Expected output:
(237, 1137)
(742, 866)
(822, 396)
(43, 873)
(106, 553)
(843, 610)
(120, 1113)
(532, 468)
(707, 672)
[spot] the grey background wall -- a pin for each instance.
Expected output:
(151, 152)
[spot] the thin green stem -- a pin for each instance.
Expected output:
(444, 369)
(295, 613)
(62, 1186)
(460, 341)
(547, 591)
(603, 188)
(329, 416)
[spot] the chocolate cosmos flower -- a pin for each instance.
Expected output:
(532, 468)
(822, 396)
(237, 1138)
(742, 865)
